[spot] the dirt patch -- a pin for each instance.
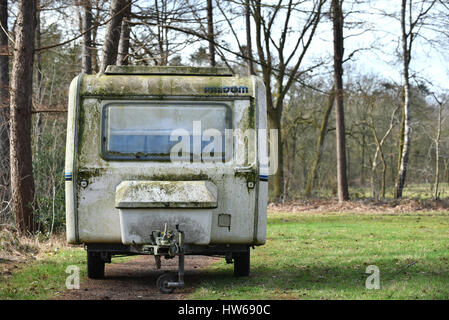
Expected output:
(16, 250)
(360, 206)
(136, 280)
(8, 266)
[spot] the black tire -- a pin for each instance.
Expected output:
(241, 264)
(163, 280)
(95, 265)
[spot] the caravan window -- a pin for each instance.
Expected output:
(149, 131)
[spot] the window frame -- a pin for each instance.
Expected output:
(106, 155)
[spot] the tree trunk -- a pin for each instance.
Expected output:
(404, 144)
(362, 163)
(294, 151)
(404, 147)
(311, 179)
(249, 50)
(160, 35)
(86, 59)
(278, 177)
(112, 37)
(380, 152)
(4, 59)
(4, 105)
(286, 179)
(210, 33)
(37, 57)
(446, 170)
(337, 19)
(38, 54)
(123, 47)
(96, 19)
(384, 173)
(437, 154)
(373, 175)
(22, 183)
(94, 49)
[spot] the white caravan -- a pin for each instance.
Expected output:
(166, 161)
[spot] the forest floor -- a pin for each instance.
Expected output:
(361, 206)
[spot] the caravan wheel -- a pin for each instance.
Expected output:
(241, 264)
(95, 265)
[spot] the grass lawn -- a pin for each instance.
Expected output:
(43, 277)
(325, 256)
(46, 276)
(307, 256)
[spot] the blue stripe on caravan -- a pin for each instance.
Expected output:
(263, 178)
(68, 176)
